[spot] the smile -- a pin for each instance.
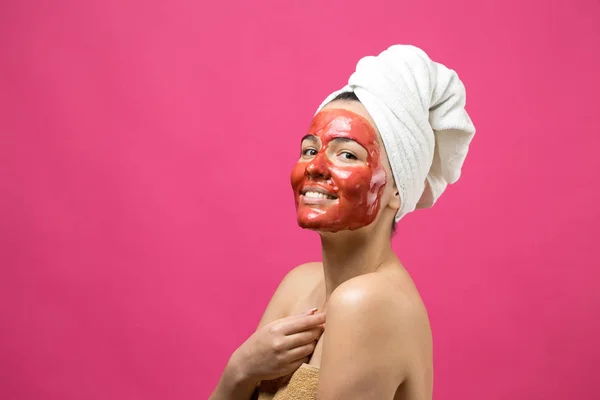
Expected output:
(317, 193)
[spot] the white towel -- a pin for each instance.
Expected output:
(418, 106)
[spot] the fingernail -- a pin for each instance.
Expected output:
(312, 311)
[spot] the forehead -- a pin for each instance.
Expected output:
(354, 107)
(333, 122)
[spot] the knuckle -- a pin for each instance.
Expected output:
(274, 329)
(279, 360)
(278, 345)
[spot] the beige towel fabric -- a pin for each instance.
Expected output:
(301, 385)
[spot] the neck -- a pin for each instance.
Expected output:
(349, 254)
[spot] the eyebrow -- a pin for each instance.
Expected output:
(344, 140)
(313, 138)
(310, 137)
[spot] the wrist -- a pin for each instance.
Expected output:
(234, 383)
(239, 376)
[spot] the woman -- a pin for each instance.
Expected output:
(387, 143)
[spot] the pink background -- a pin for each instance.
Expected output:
(145, 209)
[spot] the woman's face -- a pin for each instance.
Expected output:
(340, 177)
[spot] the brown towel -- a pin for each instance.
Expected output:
(301, 385)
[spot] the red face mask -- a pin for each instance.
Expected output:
(339, 179)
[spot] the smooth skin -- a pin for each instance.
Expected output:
(376, 342)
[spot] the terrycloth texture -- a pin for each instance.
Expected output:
(418, 106)
(301, 385)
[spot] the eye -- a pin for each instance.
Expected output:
(310, 152)
(348, 156)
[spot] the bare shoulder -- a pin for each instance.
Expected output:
(299, 276)
(305, 271)
(389, 308)
(283, 302)
(305, 287)
(377, 333)
(369, 292)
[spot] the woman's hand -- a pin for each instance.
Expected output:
(279, 348)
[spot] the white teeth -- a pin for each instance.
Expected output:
(316, 195)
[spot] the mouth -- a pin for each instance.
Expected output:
(316, 193)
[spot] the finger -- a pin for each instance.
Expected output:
(302, 323)
(301, 352)
(296, 364)
(304, 337)
(296, 316)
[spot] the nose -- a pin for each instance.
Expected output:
(318, 168)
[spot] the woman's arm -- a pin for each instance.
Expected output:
(234, 384)
(263, 352)
(369, 348)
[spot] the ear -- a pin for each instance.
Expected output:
(395, 201)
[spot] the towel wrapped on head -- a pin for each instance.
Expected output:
(418, 106)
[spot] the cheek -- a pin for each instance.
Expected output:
(362, 186)
(378, 186)
(297, 175)
(353, 182)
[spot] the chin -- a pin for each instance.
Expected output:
(318, 226)
(327, 227)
